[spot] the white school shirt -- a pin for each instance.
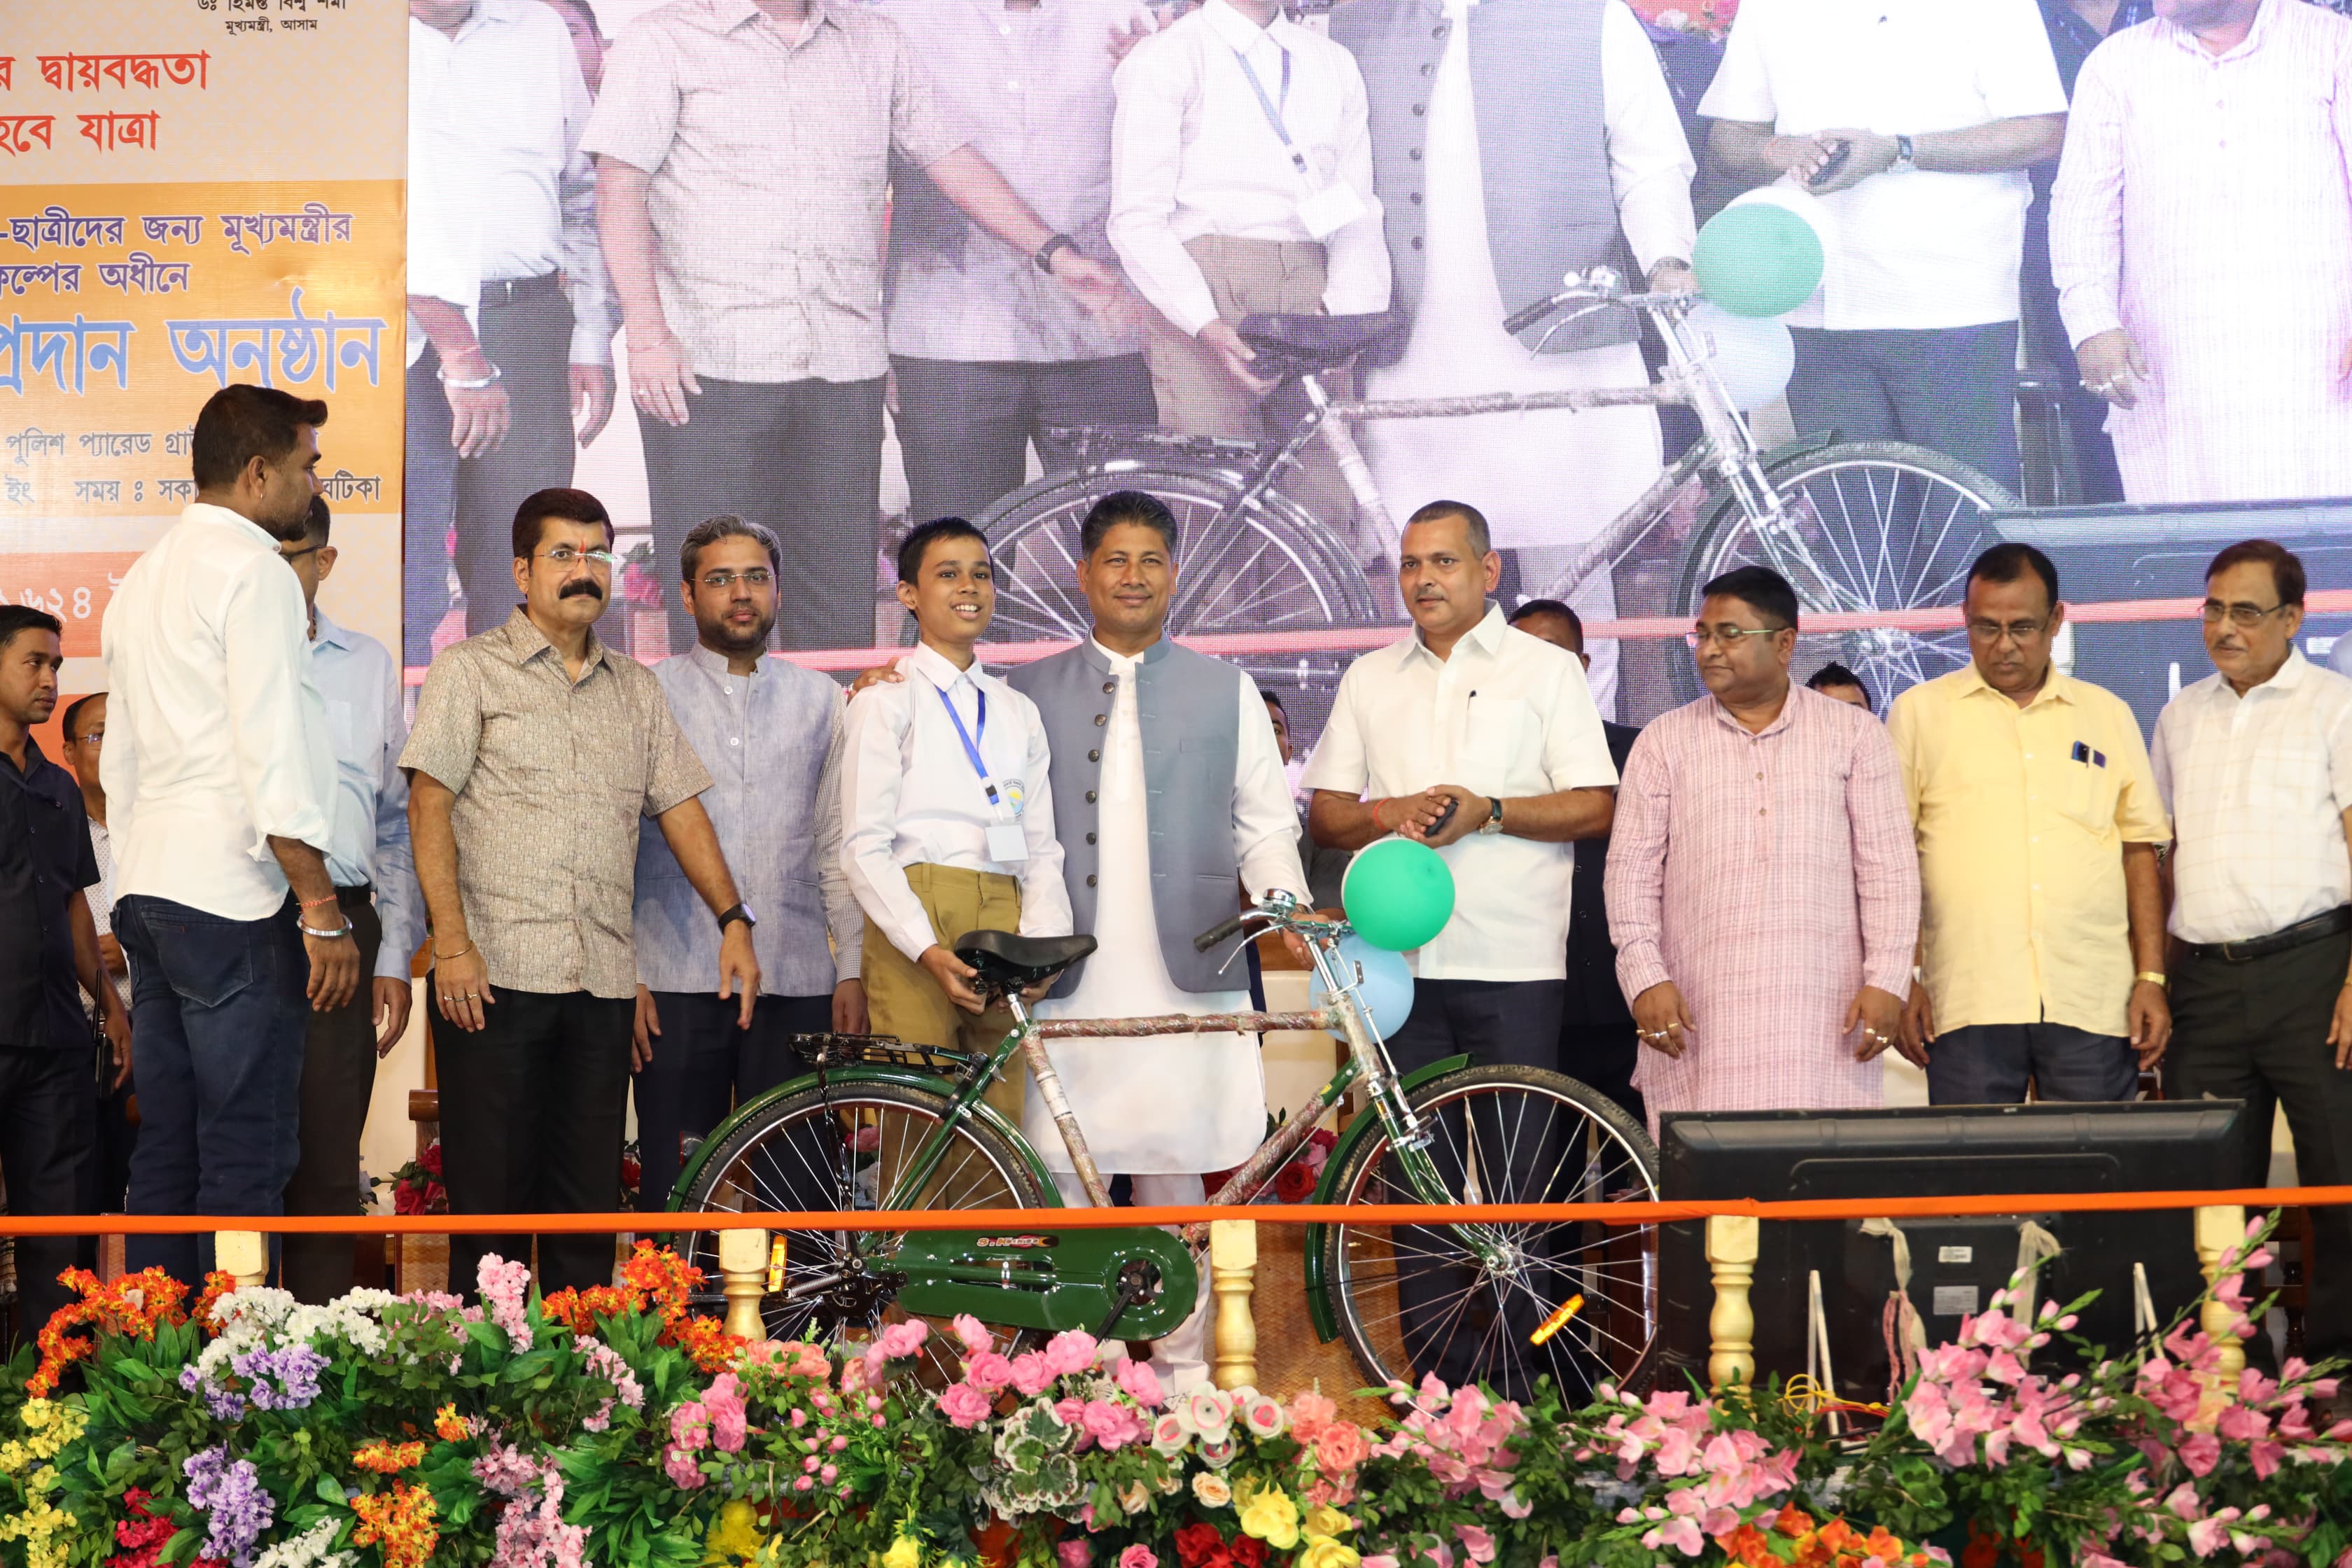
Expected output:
(910, 796)
(1913, 250)
(1192, 153)
(359, 684)
(1507, 715)
(2257, 787)
(216, 732)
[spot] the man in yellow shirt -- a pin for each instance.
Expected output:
(2042, 928)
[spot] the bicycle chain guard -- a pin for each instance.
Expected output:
(826, 1051)
(1050, 1279)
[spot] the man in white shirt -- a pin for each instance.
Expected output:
(507, 287)
(1914, 120)
(1483, 743)
(947, 824)
(1480, 226)
(221, 783)
(375, 881)
(2254, 762)
(1241, 183)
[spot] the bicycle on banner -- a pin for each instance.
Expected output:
(879, 1125)
(1854, 526)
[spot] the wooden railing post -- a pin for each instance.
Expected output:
(2220, 1227)
(1232, 1263)
(243, 1255)
(1731, 1324)
(743, 1265)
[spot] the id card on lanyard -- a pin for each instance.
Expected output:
(1327, 208)
(1007, 843)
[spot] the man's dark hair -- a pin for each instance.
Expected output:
(570, 505)
(2009, 563)
(14, 618)
(727, 526)
(1274, 699)
(73, 713)
(1481, 540)
(918, 539)
(241, 422)
(1760, 588)
(1127, 506)
(1550, 607)
(1838, 675)
(318, 527)
(2286, 567)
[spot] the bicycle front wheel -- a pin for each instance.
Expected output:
(818, 1152)
(1417, 1300)
(1869, 525)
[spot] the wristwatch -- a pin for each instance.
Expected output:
(1494, 823)
(740, 912)
(1905, 159)
(1044, 256)
(2154, 978)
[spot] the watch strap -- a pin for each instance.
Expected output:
(1046, 252)
(738, 913)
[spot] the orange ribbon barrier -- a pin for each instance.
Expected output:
(1625, 1213)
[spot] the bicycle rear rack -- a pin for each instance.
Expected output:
(824, 1052)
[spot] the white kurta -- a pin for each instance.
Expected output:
(1174, 1103)
(1547, 480)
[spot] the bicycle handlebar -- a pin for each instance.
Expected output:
(1216, 935)
(1520, 320)
(1280, 910)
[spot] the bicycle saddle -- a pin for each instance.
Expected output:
(1295, 345)
(1010, 962)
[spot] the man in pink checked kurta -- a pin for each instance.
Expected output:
(2201, 236)
(1763, 891)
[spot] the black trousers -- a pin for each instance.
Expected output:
(532, 1111)
(965, 425)
(804, 457)
(48, 1134)
(531, 343)
(1951, 389)
(1601, 1056)
(704, 1065)
(2257, 1031)
(338, 1079)
(1447, 1321)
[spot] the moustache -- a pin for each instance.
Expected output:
(582, 587)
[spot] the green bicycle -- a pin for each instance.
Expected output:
(879, 1125)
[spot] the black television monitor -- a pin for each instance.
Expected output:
(1956, 1263)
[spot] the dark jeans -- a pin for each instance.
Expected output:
(1951, 389)
(1601, 1056)
(2257, 1031)
(531, 343)
(48, 1128)
(803, 456)
(532, 1109)
(216, 1017)
(1989, 1064)
(429, 503)
(1450, 1324)
(704, 1066)
(338, 1078)
(966, 425)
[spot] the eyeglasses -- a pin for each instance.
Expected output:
(563, 558)
(720, 582)
(2015, 631)
(89, 736)
(2239, 614)
(291, 555)
(1727, 636)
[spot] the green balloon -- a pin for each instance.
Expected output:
(1757, 259)
(1398, 894)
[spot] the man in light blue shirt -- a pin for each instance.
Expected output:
(768, 731)
(375, 882)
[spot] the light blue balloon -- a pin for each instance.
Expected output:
(1386, 991)
(1753, 355)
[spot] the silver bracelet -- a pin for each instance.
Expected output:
(490, 380)
(337, 934)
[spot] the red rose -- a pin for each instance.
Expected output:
(1295, 1184)
(1195, 1542)
(1249, 1552)
(431, 1158)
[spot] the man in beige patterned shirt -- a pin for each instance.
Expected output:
(744, 151)
(535, 751)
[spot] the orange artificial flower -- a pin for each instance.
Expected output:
(384, 1457)
(400, 1520)
(132, 1306)
(450, 1427)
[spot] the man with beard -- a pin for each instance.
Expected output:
(770, 733)
(222, 784)
(535, 753)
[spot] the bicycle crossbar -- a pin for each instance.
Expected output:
(1362, 639)
(1608, 1213)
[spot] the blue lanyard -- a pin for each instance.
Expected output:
(1274, 115)
(971, 745)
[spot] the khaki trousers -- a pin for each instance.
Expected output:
(902, 999)
(1247, 277)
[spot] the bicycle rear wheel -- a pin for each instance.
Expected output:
(1417, 1300)
(1870, 525)
(818, 1152)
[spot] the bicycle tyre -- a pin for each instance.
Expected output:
(1898, 479)
(1613, 1341)
(995, 1173)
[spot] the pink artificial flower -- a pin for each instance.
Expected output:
(1475, 1542)
(502, 1285)
(1074, 1553)
(1070, 1410)
(989, 1371)
(1030, 1373)
(1210, 1412)
(2207, 1536)
(2201, 1451)
(1262, 1417)
(724, 1401)
(1140, 1383)
(1112, 1424)
(901, 1339)
(679, 1465)
(1139, 1557)
(1070, 1352)
(1309, 1414)
(970, 1332)
(1168, 1434)
(963, 1405)
(689, 1425)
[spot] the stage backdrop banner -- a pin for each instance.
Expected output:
(135, 281)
